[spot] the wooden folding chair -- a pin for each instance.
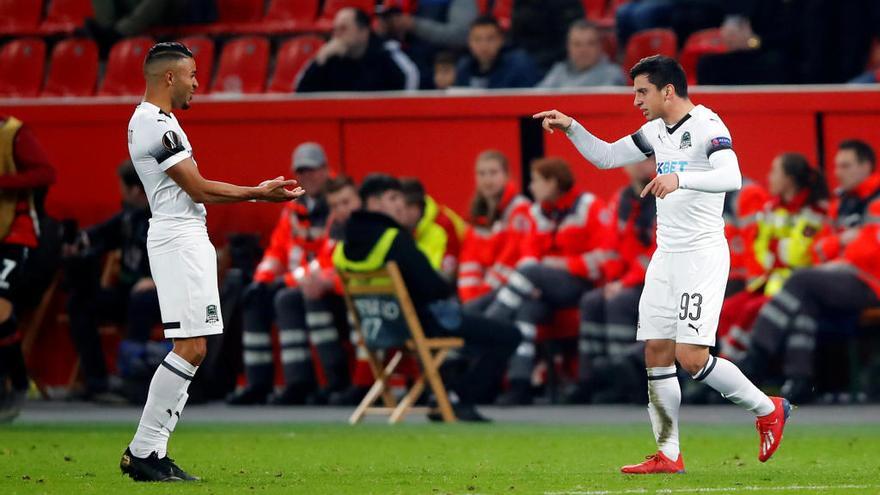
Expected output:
(384, 318)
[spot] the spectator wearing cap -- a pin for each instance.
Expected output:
(491, 65)
(586, 64)
(295, 242)
(355, 59)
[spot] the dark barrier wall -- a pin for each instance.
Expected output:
(433, 137)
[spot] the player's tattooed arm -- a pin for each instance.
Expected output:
(186, 175)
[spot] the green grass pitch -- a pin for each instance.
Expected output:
(438, 459)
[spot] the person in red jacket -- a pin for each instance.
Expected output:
(741, 210)
(788, 325)
(294, 243)
(499, 221)
(24, 169)
(609, 314)
(566, 254)
(313, 303)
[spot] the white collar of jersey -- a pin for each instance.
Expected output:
(151, 106)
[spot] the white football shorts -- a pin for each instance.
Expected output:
(683, 295)
(184, 268)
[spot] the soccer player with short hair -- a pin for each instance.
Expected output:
(686, 278)
(182, 259)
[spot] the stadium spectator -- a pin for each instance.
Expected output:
(500, 218)
(740, 216)
(355, 59)
(489, 64)
(586, 64)
(609, 314)
(565, 255)
(780, 243)
(116, 19)
(444, 70)
(130, 300)
(529, 28)
(24, 172)
(437, 230)
(789, 325)
(683, 16)
(427, 28)
(295, 242)
(488, 344)
(313, 310)
(747, 61)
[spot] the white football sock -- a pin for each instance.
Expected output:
(165, 401)
(726, 378)
(664, 401)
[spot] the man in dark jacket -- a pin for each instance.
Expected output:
(356, 60)
(132, 299)
(491, 65)
(375, 233)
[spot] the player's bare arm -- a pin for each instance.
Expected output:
(186, 175)
(553, 119)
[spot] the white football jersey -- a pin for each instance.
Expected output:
(156, 142)
(687, 220)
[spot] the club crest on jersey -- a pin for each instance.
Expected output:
(211, 314)
(171, 141)
(685, 140)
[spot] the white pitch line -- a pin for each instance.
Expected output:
(715, 490)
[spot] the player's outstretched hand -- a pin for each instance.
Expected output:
(277, 190)
(553, 119)
(661, 185)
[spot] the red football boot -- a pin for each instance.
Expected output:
(770, 427)
(656, 464)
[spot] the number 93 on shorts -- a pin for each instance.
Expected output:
(683, 295)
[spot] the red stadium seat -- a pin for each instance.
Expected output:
(288, 16)
(609, 43)
(73, 69)
(21, 67)
(704, 42)
(64, 16)
(502, 10)
(331, 7)
(236, 11)
(594, 9)
(20, 17)
(202, 49)
(291, 58)
(243, 66)
(650, 42)
(124, 73)
(409, 6)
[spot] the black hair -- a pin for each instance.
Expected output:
(128, 174)
(582, 24)
(445, 57)
(338, 183)
(486, 20)
(413, 192)
(662, 71)
(168, 50)
(863, 151)
(362, 18)
(804, 176)
(375, 185)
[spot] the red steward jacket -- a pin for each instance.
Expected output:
(578, 228)
(490, 252)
